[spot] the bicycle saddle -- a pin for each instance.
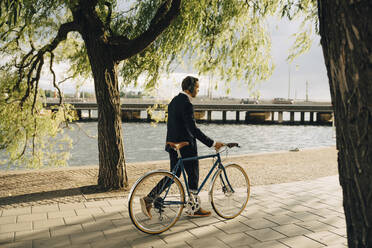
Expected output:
(178, 145)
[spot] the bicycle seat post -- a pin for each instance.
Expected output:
(178, 153)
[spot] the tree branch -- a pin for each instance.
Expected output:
(37, 61)
(124, 48)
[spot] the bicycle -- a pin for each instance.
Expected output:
(228, 193)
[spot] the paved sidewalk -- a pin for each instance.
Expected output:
(298, 214)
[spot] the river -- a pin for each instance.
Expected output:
(144, 142)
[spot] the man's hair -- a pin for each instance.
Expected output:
(188, 83)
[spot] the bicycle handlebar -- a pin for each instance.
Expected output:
(231, 145)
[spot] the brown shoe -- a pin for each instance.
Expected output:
(146, 205)
(201, 213)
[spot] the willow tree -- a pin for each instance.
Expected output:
(98, 37)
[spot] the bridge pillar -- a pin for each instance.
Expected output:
(90, 114)
(223, 116)
(272, 116)
(280, 116)
(311, 116)
(148, 116)
(209, 117)
(237, 115)
(78, 113)
(302, 117)
(292, 114)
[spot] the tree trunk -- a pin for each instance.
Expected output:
(346, 38)
(112, 168)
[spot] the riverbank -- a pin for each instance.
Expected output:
(77, 184)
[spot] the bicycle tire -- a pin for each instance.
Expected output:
(229, 203)
(165, 215)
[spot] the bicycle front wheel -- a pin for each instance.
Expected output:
(164, 207)
(229, 192)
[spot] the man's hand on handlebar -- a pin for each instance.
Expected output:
(218, 145)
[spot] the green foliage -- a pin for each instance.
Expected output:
(224, 38)
(31, 135)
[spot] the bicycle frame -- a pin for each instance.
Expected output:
(218, 164)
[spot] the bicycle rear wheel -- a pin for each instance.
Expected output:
(165, 208)
(229, 193)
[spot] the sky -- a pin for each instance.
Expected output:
(287, 80)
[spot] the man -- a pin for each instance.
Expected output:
(181, 126)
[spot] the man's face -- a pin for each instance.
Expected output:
(196, 89)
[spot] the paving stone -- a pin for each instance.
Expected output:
(338, 246)
(259, 223)
(178, 244)
(8, 220)
(335, 221)
(16, 227)
(291, 230)
(339, 231)
(86, 237)
(305, 216)
(268, 244)
(88, 211)
(111, 209)
(323, 212)
(16, 211)
(78, 219)
(206, 242)
(130, 233)
(110, 243)
(283, 219)
(44, 224)
(60, 214)
(255, 215)
(120, 202)
(108, 216)
(19, 244)
(171, 237)
(81, 246)
(266, 234)
(32, 235)
(147, 241)
(203, 221)
(71, 206)
(237, 239)
(315, 226)
(206, 231)
(327, 238)
(44, 209)
(6, 237)
(121, 222)
(98, 226)
(183, 225)
(31, 217)
(118, 232)
(96, 204)
(232, 226)
(54, 242)
(301, 242)
(65, 230)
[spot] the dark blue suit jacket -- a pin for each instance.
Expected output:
(181, 124)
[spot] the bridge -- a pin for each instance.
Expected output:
(307, 113)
